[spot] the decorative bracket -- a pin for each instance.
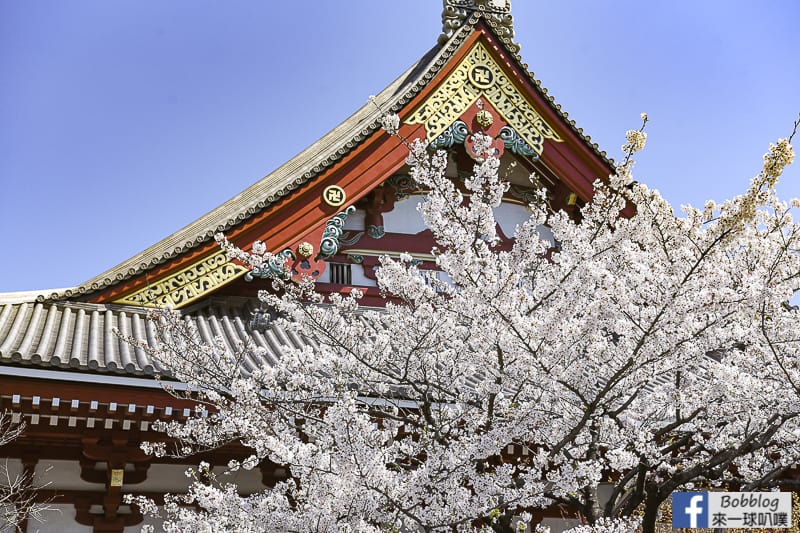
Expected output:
(512, 141)
(455, 134)
(275, 268)
(459, 132)
(329, 245)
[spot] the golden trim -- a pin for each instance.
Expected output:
(479, 76)
(187, 285)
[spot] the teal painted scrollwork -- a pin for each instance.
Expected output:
(456, 133)
(515, 143)
(329, 245)
(376, 232)
(275, 268)
(349, 239)
(403, 184)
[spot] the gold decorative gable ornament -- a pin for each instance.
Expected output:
(479, 76)
(188, 285)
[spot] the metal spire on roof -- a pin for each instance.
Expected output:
(457, 12)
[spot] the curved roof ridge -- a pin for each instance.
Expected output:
(29, 296)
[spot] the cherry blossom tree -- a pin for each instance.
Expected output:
(18, 491)
(640, 352)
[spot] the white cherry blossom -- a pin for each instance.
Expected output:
(652, 352)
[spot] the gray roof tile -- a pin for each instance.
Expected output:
(90, 337)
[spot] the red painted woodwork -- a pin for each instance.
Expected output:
(87, 392)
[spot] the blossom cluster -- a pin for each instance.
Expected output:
(779, 156)
(635, 140)
(390, 123)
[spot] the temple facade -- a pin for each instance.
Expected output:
(89, 398)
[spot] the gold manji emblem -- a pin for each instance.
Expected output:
(334, 196)
(481, 76)
(305, 249)
(484, 118)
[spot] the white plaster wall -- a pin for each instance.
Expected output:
(64, 475)
(360, 279)
(12, 466)
(546, 234)
(155, 522)
(404, 218)
(355, 221)
(60, 519)
(557, 525)
(508, 216)
(172, 478)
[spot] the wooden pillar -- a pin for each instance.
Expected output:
(115, 452)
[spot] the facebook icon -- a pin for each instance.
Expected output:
(689, 509)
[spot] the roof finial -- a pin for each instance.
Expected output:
(457, 12)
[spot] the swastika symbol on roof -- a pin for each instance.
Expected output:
(334, 195)
(481, 76)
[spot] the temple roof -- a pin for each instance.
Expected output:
(91, 337)
(321, 155)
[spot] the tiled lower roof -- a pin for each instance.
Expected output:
(89, 338)
(83, 336)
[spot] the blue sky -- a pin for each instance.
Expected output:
(122, 121)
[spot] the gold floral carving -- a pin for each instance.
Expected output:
(187, 285)
(479, 76)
